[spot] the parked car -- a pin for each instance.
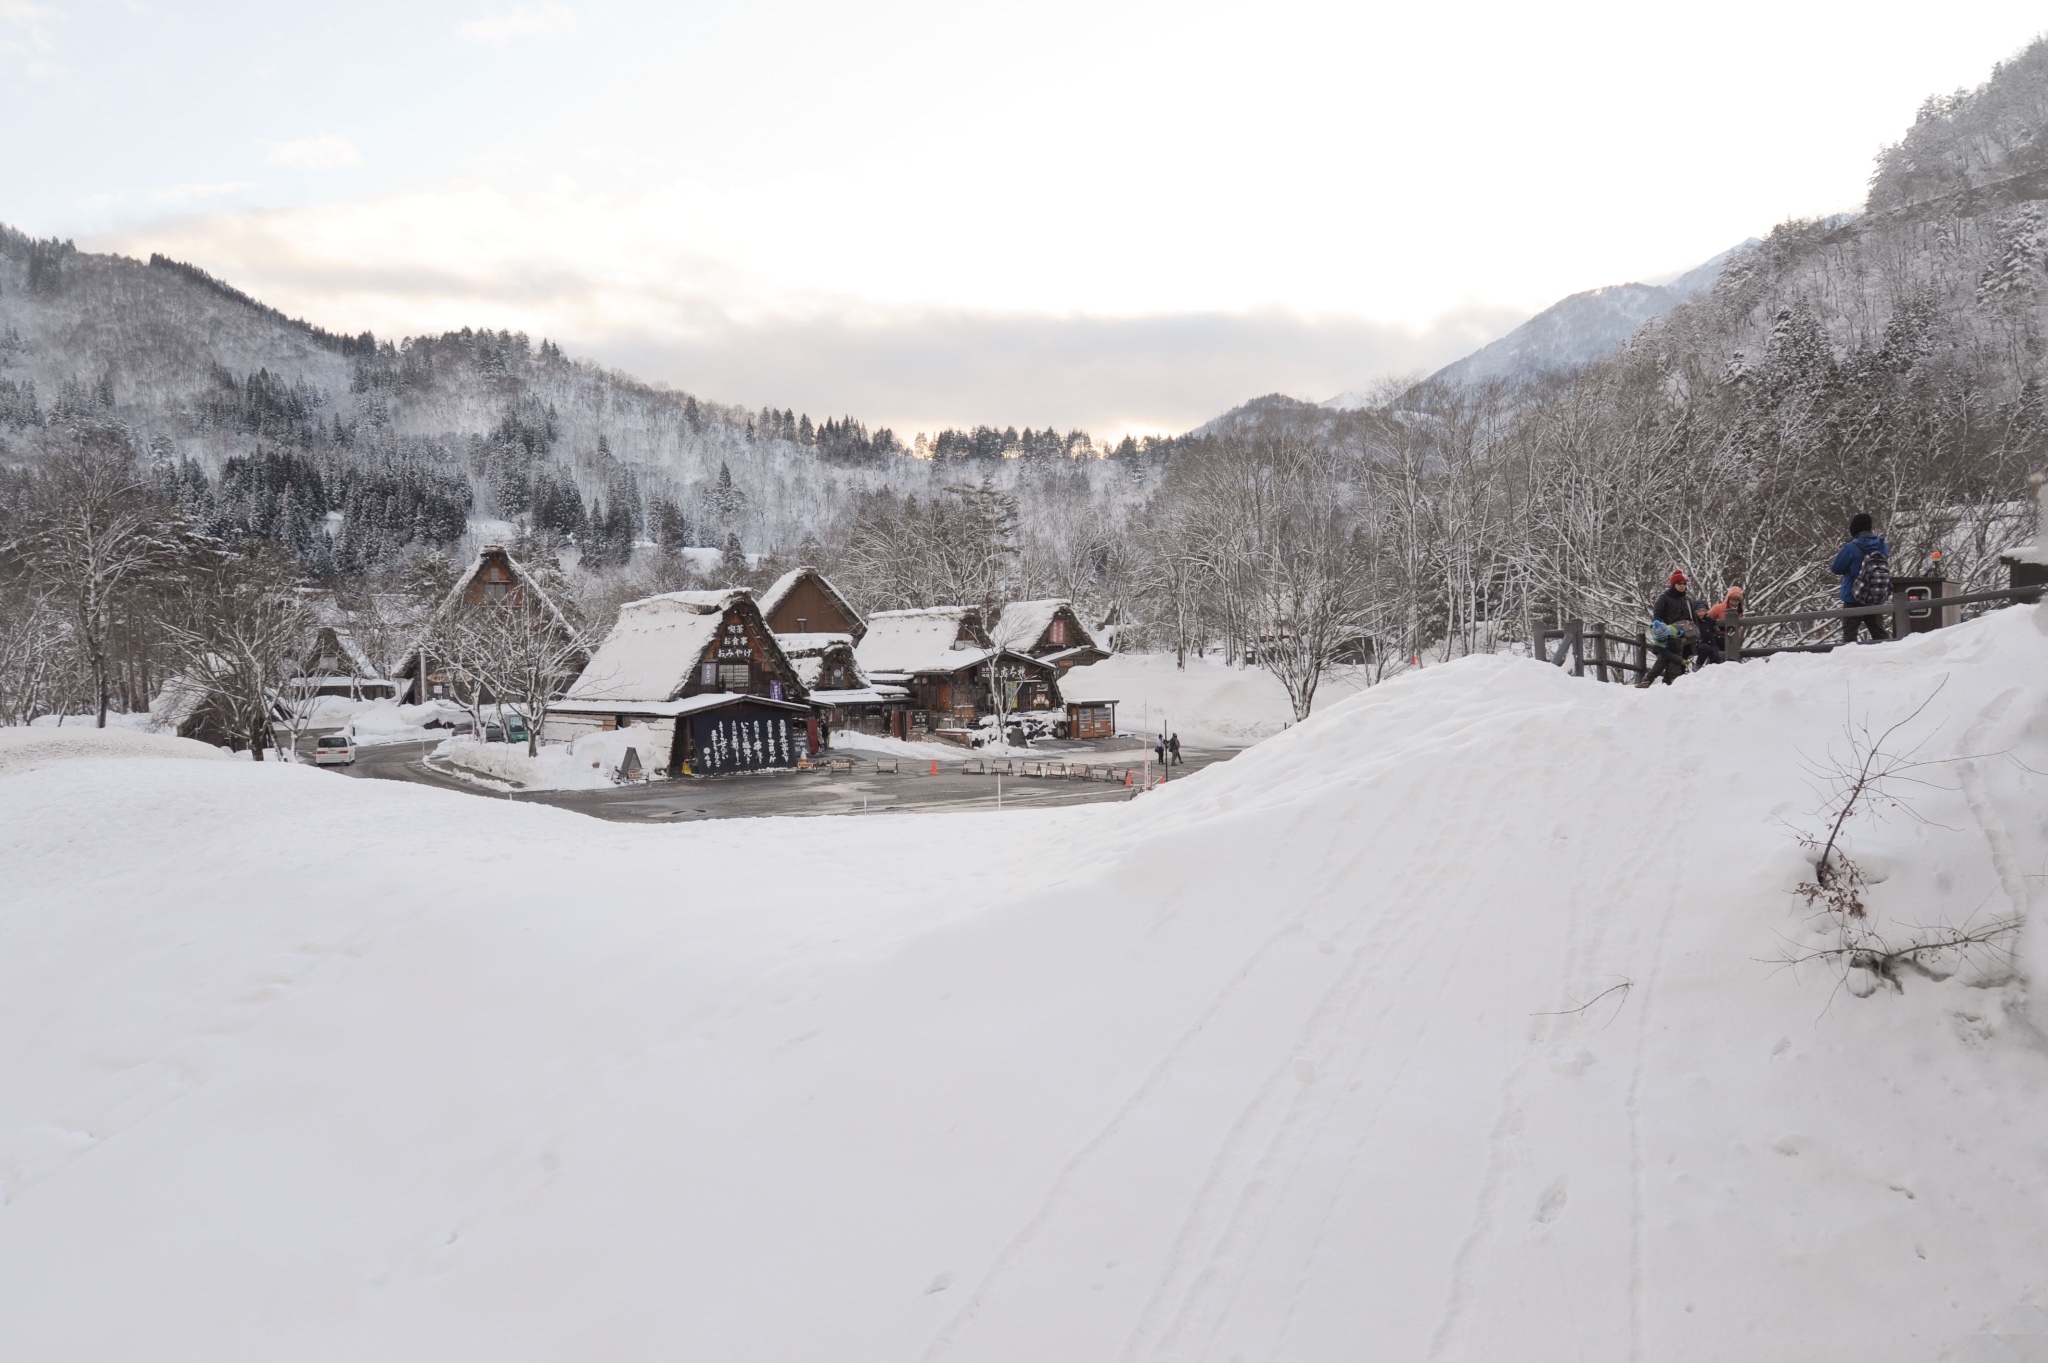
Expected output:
(334, 750)
(515, 729)
(494, 733)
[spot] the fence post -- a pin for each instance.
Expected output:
(1600, 650)
(1898, 615)
(1575, 638)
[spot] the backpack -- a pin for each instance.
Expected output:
(1673, 636)
(1873, 586)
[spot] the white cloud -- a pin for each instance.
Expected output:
(606, 277)
(184, 194)
(520, 23)
(331, 152)
(24, 28)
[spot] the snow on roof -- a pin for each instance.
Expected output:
(1023, 623)
(651, 651)
(671, 709)
(924, 640)
(1060, 655)
(353, 659)
(859, 695)
(771, 599)
(796, 646)
(519, 571)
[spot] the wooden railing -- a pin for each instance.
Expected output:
(1612, 656)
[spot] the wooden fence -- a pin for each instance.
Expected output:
(1612, 656)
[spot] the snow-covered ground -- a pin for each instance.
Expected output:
(1278, 1062)
(1210, 704)
(592, 762)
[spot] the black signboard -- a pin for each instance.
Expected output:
(727, 743)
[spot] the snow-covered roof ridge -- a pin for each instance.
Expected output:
(927, 638)
(907, 612)
(716, 600)
(658, 640)
(1022, 623)
(811, 645)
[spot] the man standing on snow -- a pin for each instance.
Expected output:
(1865, 566)
(1673, 632)
(1173, 748)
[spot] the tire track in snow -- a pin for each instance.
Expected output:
(1583, 944)
(2004, 860)
(1195, 1295)
(1076, 1164)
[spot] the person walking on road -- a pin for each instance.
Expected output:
(1173, 747)
(1159, 751)
(1865, 566)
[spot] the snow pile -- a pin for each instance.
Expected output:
(376, 722)
(590, 763)
(24, 749)
(1210, 704)
(1284, 1061)
(139, 722)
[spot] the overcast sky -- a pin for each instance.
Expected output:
(1112, 216)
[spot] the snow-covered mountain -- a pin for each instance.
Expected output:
(1573, 332)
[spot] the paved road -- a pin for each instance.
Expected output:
(789, 793)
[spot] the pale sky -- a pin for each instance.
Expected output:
(1111, 216)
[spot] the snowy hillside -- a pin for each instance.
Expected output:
(1276, 1063)
(1571, 333)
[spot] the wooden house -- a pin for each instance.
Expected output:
(336, 665)
(804, 601)
(495, 576)
(839, 691)
(702, 673)
(946, 661)
(1049, 630)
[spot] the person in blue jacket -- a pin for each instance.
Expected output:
(1848, 565)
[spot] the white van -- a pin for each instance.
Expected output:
(335, 750)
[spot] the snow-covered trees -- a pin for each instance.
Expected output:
(92, 533)
(240, 638)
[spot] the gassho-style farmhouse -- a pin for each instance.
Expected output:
(727, 681)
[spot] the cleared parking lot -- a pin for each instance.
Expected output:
(865, 789)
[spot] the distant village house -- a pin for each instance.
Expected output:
(494, 577)
(701, 672)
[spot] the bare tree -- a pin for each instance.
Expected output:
(515, 656)
(242, 638)
(94, 532)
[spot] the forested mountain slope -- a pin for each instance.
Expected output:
(268, 425)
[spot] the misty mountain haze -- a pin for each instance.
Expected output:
(1571, 333)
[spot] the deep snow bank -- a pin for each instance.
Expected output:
(35, 746)
(1272, 1064)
